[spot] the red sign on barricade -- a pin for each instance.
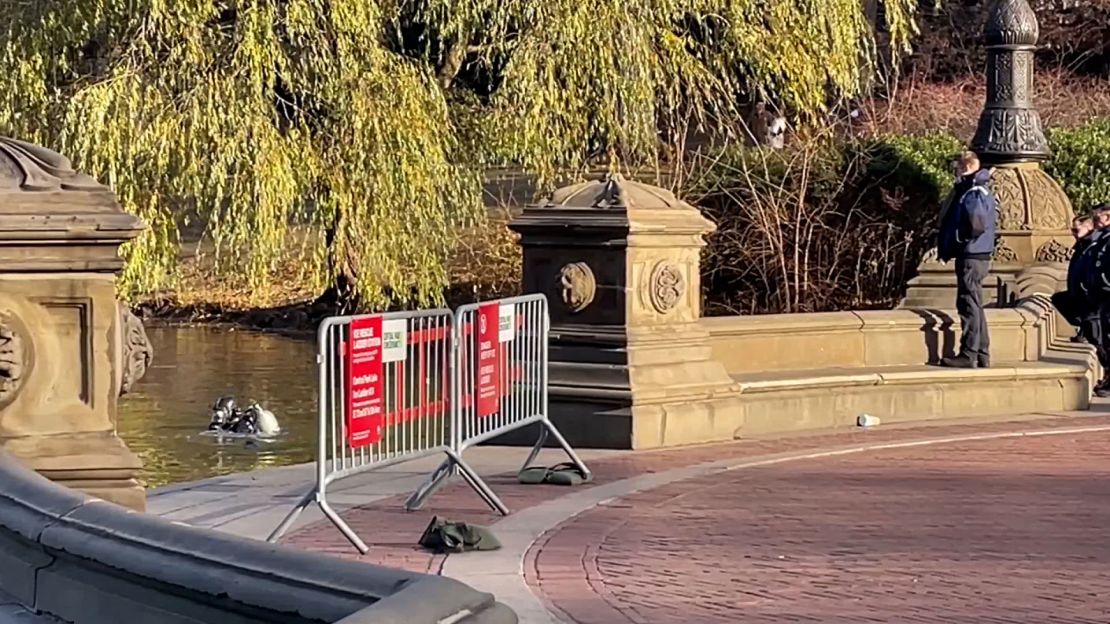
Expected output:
(489, 360)
(365, 383)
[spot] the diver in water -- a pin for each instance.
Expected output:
(224, 415)
(254, 420)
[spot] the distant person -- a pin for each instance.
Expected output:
(967, 235)
(1094, 269)
(1072, 302)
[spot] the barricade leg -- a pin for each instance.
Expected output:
(549, 426)
(478, 485)
(429, 487)
(536, 448)
(454, 464)
(292, 516)
(329, 513)
(343, 527)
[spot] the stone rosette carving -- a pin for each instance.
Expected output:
(136, 352)
(14, 359)
(667, 287)
(1053, 251)
(1004, 253)
(578, 285)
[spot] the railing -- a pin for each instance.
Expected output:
(501, 370)
(402, 386)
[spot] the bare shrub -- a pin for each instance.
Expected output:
(921, 106)
(820, 226)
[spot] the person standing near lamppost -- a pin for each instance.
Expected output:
(967, 235)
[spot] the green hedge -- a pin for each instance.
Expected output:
(1081, 163)
(834, 224)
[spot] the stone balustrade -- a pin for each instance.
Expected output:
(859, 339)
(67, 555)
(817, 371)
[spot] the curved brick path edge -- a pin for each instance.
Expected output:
(1002, 527)
(512, 575)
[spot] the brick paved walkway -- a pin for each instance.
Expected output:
(1004, 530)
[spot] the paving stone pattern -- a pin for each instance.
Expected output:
(1005, 530)
(1000, 530)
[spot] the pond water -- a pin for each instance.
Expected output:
(162, 417)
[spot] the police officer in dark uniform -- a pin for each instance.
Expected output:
(1094, 270)
(1071, 302)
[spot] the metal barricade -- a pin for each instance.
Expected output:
(501, 376)
(386, 395)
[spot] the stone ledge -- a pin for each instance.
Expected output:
(820, 371)
(867, 339)
(896, 375)
(83, 560)
(912, 396)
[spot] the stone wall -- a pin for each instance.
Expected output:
(842, 340)
(67, 555)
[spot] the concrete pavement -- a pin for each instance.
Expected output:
(251, 504)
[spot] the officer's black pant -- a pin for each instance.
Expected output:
(975, 338)
(1096, 329)
(1071, 307)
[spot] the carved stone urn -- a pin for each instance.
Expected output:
(68, 349)
(1034, 212)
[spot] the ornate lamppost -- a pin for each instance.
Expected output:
(1034, 211)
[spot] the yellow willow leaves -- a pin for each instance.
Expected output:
(290, 124)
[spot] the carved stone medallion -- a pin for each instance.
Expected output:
(137, 352)
(577, 285)
(13, 360)
(1053, 251)
(667, 287)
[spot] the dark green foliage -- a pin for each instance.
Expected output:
(1081, 163)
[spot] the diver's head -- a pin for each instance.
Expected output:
(222, 412)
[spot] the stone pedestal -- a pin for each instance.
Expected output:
(630, 364)
(1034, 212)
(67, 348)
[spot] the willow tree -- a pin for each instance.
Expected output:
(349, 117)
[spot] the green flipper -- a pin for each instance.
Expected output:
(444, 536)
(533, 475)
(559, 474)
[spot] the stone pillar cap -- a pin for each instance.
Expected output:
(615, 201)
(42, 199)
(614, 192)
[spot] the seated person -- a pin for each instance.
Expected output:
(1070, 302)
